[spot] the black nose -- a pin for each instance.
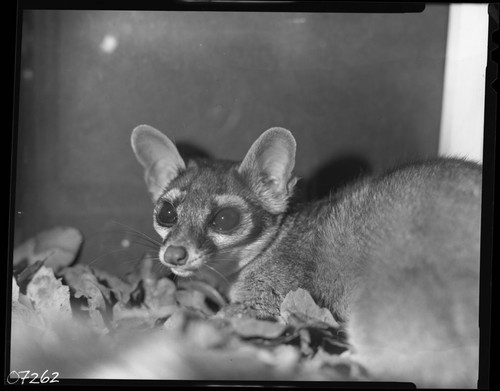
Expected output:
(175, 255)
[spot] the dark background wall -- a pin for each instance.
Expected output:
(360, 92)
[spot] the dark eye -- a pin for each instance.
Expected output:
(226, 219)
(167, 215)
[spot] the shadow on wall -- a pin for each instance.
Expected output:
(334, 175)
(331, 177)
(190, 151)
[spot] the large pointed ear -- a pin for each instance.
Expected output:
(159, 157)
(268, 165)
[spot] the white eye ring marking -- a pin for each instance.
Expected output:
(173, 194)
(244, 225)
(224, 200)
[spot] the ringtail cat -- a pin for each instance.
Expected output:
(394, 258)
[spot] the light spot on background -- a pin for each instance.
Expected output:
(299, 20)
(109, 43)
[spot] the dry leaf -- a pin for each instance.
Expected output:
(249, 327)
(120, 288)
(208, 290)
(189, 345)
(194, 300)
(176, 321)
(27, 274)
(22, 310)
(301, 302)
(49, 296)
(156, 300)
(57, 247)
(84, 283)
(160, 295)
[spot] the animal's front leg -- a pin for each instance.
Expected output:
(250, 310)
(251, 295)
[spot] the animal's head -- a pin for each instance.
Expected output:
(214, 216)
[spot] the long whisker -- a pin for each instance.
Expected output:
(145, 240)
(157, 265)
(220, 254)
(145, 244)
(224, 259)
(139, 232)
(137, 236)
(136, 260)
(217, 272)
(109, 231)
(106, 254)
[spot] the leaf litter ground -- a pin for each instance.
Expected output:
(87, 323)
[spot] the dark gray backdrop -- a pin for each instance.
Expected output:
(361, 93)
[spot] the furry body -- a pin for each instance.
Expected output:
(395, 258)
